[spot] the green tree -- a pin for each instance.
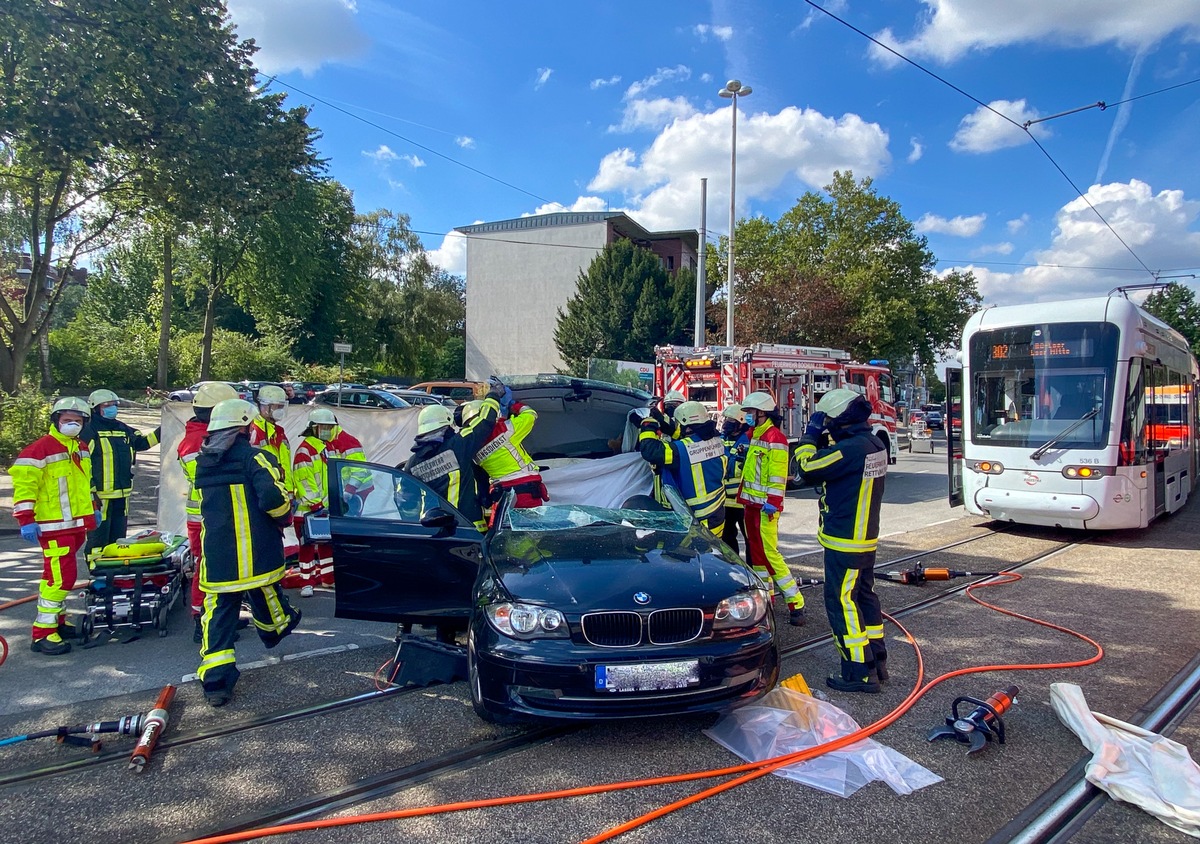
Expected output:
(625, 304)
(1176, 305)
(846, 269)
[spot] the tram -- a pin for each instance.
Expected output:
(1077, 414)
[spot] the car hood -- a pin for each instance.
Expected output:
(603, 567)
(577, 417)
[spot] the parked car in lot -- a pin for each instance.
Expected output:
(188, 393)
(363, 397)
(460, 391)
(571, 611)
(417, 398)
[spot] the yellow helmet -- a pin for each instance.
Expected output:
(232, 413)
(272, 394)
(470, 410)
(433, 417)
(212, 393)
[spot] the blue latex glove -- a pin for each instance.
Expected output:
(99, 517)
(815, 427)
(506, 400)
(30, 533)
(771, 510)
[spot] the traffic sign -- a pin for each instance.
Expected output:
(342, 348)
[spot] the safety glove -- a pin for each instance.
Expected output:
(30, 533)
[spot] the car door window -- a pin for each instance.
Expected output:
(462, 393)
(376, 492)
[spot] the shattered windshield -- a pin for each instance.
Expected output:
(566, 516)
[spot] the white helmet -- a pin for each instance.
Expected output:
(432, 418)
(322, 416)
(271, 394)
(212, 393)
(71, 403)
(470, 410)
(232, 413)
(691, 413)
(733, 411)
(674, 396)
(834, 403)
(99, 397)
(759, 401)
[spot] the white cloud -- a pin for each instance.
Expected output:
(384, 153)
(1004, 248)
(957, 227)
(652, 114)
(1018, 224)
(661, 185)
(916, 152)
(721, 33)
(583, 203)
(985, 131)
(948, 29)
(412, 160)
(465, 141)
(299, 34)
(601, 83)
(543, 76)
(835, 6)
(451, 256)
(663, 74)
(1159, 227)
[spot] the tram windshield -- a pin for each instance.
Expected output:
(1032, 383)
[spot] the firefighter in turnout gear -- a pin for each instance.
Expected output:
(444, 459)
(735, 435)
(323, 440)
(55, 505)
(660, 425)
(112, 445)
(504, 458)
(208, 395)
(839, 452)
(267, 431)
(694, 464)
(764, 480)
(244, 506)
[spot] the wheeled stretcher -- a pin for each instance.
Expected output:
(135, 584)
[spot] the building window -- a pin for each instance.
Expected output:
(670, 262)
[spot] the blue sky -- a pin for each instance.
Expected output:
(488, 111)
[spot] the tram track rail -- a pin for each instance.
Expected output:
(400, 779)
(178, 740)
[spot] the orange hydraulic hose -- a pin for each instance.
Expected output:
(18, 601)
(751, 770)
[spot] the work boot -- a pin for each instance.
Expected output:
(879, 651)
(52, 645)
(219, 697)
(855, 677)
(797, 617)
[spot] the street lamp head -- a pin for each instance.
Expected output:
(724, 93)
(733, 86)
(745, 92)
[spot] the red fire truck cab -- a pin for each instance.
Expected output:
(797, 376)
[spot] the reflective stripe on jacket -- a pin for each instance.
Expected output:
(693, 465)
(244, 505)
(503, 457)
(733, 474)
(851, 473)
(111, 444)
(310, 467)
(52, 484)
(189, 449)
(271, 437)
(764, 473)
(447, 465)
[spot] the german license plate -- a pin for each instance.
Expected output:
(648, 676)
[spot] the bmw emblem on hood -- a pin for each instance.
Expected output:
(641, 597)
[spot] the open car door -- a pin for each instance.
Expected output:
(400, 552)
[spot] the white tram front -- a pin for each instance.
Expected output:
(1058, 400)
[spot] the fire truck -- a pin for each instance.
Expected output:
(797, 376)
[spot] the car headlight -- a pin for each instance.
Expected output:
(745, 609)
(527, 621)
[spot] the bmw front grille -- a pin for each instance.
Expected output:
(625, 629)
(673, 627)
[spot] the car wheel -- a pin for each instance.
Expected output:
(477, 701)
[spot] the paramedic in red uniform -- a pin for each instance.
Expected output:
(55, 505)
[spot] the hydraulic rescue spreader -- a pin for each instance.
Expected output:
(918, 574)
(983, 723)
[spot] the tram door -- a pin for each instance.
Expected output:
(954, 434)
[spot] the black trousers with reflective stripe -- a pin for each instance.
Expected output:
(113, 525)
(271, 612)
(855, 615)
(735, 523)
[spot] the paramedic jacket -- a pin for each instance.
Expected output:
(112, 443)
(244, 506)
(851, 473)
(446, 464)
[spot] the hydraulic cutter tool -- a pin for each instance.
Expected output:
(982, 724)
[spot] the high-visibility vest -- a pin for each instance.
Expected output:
(764, 474)
(310, 467)
(270, 437)
(52, 484)
(503, 457)
(733, 472)
(697, 470)
(194, 433)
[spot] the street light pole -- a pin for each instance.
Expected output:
(732, 90)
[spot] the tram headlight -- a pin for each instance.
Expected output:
(1085, 472)
(988, 467)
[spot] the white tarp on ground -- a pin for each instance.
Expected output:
(387, 437)
(1132, 764)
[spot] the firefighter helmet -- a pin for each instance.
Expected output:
(843, 405)
(232, 413)
(733, 411)
(759, 401)
(691, 413)
(99, 397)
(470, 410)
(71, 403)
(322, 416)
(212, 393)
(432, 418)
(271, 394)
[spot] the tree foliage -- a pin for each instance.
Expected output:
(624, 305)
(846, 269)
(1176, 305)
